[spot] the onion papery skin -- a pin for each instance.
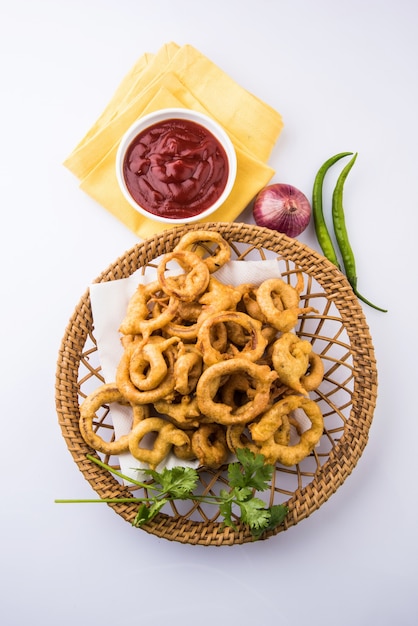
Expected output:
(283, 208)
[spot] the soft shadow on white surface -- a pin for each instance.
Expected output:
(343, 77)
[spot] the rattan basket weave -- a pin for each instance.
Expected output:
(347, 395)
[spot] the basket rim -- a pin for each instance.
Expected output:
(342, 458)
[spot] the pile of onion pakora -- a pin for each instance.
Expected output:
(209, 368)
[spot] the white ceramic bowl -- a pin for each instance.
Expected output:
(183, 114)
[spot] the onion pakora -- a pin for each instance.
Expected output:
(263, 432)
(104, 395)
(208, 368)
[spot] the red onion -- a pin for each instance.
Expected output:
(283, 208)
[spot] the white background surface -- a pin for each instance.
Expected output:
(343, 75)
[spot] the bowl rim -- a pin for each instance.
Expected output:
(160, 115)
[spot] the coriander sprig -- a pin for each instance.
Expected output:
(246, 476)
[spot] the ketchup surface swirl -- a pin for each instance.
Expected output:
(175, 169)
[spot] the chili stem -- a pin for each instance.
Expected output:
(363, 299)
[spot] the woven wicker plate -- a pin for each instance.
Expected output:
(347, 395)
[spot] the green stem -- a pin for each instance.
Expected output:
(203, 499)
(102, 500)
(363, 299)
(117, 473)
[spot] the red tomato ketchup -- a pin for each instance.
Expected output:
(175, 169)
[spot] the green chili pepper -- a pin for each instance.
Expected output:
(321, 229)
(341, 235)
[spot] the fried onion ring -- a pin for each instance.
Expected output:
(189, 285)
(216, 260)
(218, 297)
(103, 395)
(185, 451)
(139, 319)
(184, 332)
(187, 369)
(183, 413)
(237, 438)
(238, 387)
(249, 299)
(148, 366)
(131, 392)
(313, 378)
(209, 445)
(167, 436)
(253, 348)
(263, 432)
(211, 380)
(290, 358)
(281, 313)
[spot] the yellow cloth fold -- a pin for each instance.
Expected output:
(177, 77)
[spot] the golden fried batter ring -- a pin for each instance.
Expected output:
(218, 337)
(103, 395)
(189, 311)
(139, 319)
(189, 285)
(131, 392)
(237, 387)
(184, 332)
(221, 255)
(183, 413)
(290, 358)
(137, 309)
(236, 333)
(237, 438)
(213, 377)
(251, 305)
(184, 324)
(315, 375)
(269, 333)
(157, 322)
(218, 297)
(148, 366)
(167, 436)
(263, 432)
(187, 369)
(252, 350)
(282, 432)
(209, 445)
(185, 451)
(281, 313)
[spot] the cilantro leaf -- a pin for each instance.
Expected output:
(146, 513)
(242, 494)
(254, 513)
(250, 461)
(142, 515)
(236, 477)
(250, 471)
(156, 507)
(178, 482)
(260, 479)
(278, 513)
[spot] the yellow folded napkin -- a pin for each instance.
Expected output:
(177, 77)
